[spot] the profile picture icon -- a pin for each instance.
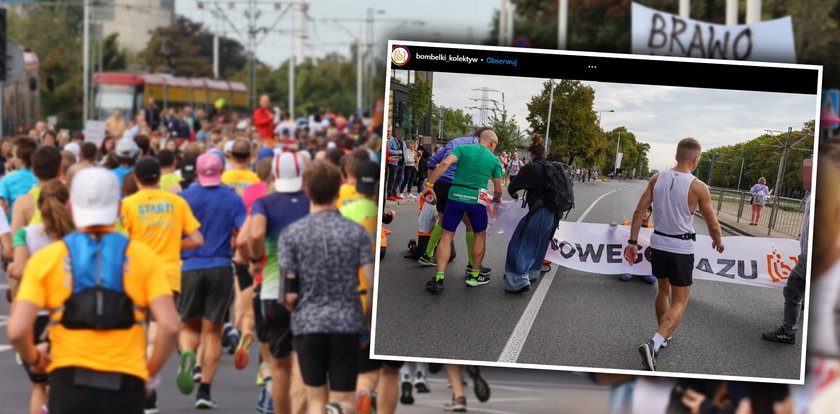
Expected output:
(400, 55)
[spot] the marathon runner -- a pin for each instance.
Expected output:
(676, 194)
(476, 164)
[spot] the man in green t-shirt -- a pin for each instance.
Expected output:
(476, 164)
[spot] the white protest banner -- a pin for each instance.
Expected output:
(659, 33)
(95, 132)
(599, 248)
(618, 158)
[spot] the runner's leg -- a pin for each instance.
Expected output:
(388, 392)
(281, 370)
(444, 250)
(211, 338)
(453, 372)
(672, 317)
(663, 299)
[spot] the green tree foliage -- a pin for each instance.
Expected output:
(574, 132)
(113, 59)
(507, 130)
(55, 35)
(319, 83)
(456, 122)
(635, 153)
(185, 48)
(419, 99)
(761, 159)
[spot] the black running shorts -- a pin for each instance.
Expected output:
(675, 267)
(335, 355)
(206, 293)
(273, 324)
(243, 275)
(442, 194)
(367, 365)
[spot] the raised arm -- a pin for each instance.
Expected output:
(704, 199)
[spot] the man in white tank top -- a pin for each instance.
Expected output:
(676, 194)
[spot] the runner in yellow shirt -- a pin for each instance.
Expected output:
(239, 176)
(94, 370)
(159, 219)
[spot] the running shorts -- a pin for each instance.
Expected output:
(273, 324)
(367, 365)
(243, 276)
(442, 194)
(206, 293)
(455, 210)
(333, 354)
(675, 267)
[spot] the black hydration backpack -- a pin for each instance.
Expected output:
(559, 195)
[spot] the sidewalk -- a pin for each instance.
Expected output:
(729, 222)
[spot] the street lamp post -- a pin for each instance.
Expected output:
(741, 173)
(617, 144)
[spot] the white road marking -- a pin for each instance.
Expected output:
(517, 339)
(5, 347)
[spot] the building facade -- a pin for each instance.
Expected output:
(133, 20)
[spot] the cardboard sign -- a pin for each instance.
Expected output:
(659, 33)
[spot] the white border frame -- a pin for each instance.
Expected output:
(384, 163)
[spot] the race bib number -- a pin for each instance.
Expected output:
(484, 197)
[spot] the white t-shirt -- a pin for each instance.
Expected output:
(287, 125)
(4, 223)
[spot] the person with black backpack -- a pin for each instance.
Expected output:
(98, 286)
(548, 195)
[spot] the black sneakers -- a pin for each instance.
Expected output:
(435, 286)
(482, 390)
(477, 281)
(779, 335)
(405, 394)
(484, 271)
(646, 351)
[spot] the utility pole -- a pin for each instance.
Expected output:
(685, 7)
(617, 145)
(502, 22)
(483, 108)
(562, 24)
(548, 122)
(740, 174)
(215, 56)
(753, 11)
(440, 123)
(85, 60)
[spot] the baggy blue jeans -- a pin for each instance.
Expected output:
(527, 248)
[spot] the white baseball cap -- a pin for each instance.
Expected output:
(229, 147)
(95, 197)
(74, 148)
(287, 169)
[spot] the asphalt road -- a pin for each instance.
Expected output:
(585, 320)
(512, 390)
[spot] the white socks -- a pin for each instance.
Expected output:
(657, 342)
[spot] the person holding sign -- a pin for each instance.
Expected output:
(676, 194)
(466, 196)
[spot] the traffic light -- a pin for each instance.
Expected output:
(2, 44)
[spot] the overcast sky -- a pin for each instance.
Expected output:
(462, 21)
(657, 115)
